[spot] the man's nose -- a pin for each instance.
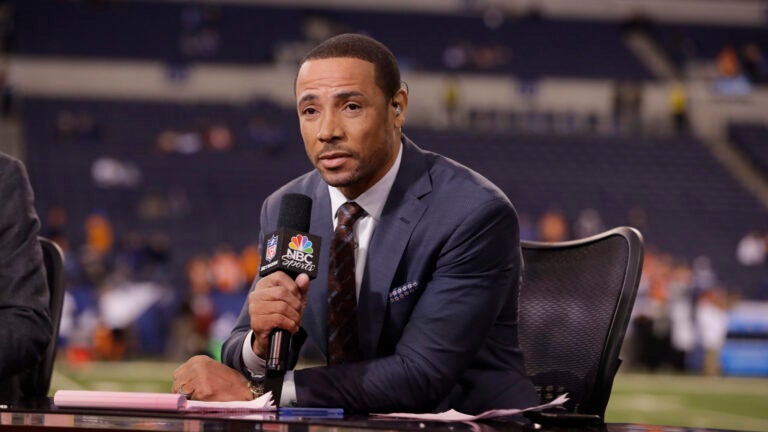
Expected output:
(330, 127)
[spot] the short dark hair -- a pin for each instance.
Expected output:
(351, 45)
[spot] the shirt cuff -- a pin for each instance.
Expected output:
(256, 365)
(288, 396)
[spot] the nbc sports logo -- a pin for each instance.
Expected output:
(301, 243)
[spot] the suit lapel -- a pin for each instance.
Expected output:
(315, 317)
(401, 214)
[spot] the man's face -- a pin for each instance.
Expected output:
(350, 129)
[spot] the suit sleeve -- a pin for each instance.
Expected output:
(25, 327)
(475, 269)
(232, 350)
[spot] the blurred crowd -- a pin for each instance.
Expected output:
(746, 60)
(680, 319)
(752, 250)
(204, 134)
(126, 298)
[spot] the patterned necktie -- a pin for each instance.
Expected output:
(342, 305)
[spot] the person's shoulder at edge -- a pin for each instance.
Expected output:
(450, 178)
(15, 180)
(9, 164)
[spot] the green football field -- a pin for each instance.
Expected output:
(693, 401)
(672, 400)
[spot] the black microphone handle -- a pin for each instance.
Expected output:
(277, 356)
(279, 344)
(295, 213)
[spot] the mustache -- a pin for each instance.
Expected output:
(334, 148)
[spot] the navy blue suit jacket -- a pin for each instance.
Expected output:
(437, 310)
(25, 326)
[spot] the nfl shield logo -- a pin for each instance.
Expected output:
(271, 248)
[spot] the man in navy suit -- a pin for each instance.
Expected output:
(437, 261)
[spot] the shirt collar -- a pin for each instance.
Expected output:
(372, 200)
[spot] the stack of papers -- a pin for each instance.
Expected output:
(179, 403)
(155, 402)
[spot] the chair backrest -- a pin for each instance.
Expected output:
(36, 383)
(575, 303)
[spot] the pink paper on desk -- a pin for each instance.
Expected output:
(119, 400)
(155, 402)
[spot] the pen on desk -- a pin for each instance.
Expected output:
(310, 412)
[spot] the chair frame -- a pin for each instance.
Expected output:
(53, 261)
(593, 409)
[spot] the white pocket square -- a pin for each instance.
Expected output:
(403, 291)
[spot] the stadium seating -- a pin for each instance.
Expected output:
(526, 47)
(688, 42)
(693, 206)
(752, 140)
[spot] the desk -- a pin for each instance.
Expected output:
(44, 416)
(146, 421)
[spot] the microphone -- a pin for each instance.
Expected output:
(292, 250)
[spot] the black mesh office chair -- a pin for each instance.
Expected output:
(35, 383)
(575, 303)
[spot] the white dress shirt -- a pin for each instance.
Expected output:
(372, 201)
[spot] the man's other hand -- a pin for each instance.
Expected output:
(203, 378)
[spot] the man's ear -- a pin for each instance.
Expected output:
(400, 107)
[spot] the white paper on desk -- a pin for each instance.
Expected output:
(455, 416)
(261, 403)
(155, 402)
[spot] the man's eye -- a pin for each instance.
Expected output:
(309, 111)
(353, 107)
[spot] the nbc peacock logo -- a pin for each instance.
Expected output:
(301, 243)
(298, 257)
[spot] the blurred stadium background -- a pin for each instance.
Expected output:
(154, 129)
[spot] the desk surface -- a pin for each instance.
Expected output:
(45, 416)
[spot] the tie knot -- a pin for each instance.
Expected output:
(348, 213)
